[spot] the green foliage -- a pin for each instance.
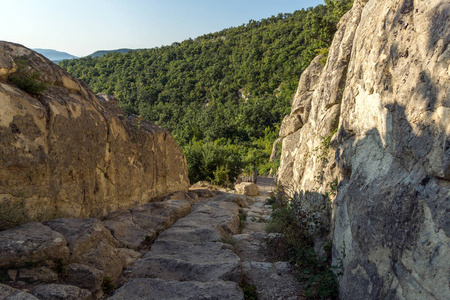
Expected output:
(4, 277)
(242, 218)
(108, 285)
(28, 81)
(249, 291)
(315, 270)
(59, 266)
(228, 239)
(234, 86)
(324, 149)
(212, 161)
(332, 190)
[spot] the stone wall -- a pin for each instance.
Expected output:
(70, 153)
(385, 92)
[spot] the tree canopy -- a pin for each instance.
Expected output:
(227, 91)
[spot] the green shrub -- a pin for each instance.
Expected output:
(28, 81)
(228, 239)
(108, 285)
(295, 224)
(249, 291)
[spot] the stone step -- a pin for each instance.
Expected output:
(157, 289)
(272, 280)
(180, 260)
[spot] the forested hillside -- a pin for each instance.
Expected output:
(224, 94)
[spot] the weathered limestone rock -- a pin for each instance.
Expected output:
(83, 276)
(240, 200)
(81, 234)
(61, 292)
(31, 243)
(37, 274)
(160, 215)
(385, 88)
(147, 288)
(272, 280)
(190, 249)
(130, 255)
(247, 188)
(301, 103)
(92, 244)
(9, 293)
(125, 230)
(69, 153)
(178, 260)
(290, 124)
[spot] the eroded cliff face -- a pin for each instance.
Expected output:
(70, 153)
(385, 92)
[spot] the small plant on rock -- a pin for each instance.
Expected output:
(249, 291)
(28, 81)
(108, 285)
(228, 239)
(296, 224)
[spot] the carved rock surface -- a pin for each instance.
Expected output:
(190, 249)
(291, 123)
(147, 288)
(31, 243)
(60, 292)
(68, 153)
(9, 293)
(386, 90)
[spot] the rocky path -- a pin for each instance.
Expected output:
(190, 260)
(204, 255)
(272, 279)
(179, 248)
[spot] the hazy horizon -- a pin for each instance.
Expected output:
(82, 27)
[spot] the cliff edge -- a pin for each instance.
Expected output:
(64, 152)
(367, 144)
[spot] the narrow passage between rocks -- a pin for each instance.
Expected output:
(213, 253)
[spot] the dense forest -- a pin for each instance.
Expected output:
(222, 95)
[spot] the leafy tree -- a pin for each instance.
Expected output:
(228, 86)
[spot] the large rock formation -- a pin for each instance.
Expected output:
(376, 124)
(69, 153)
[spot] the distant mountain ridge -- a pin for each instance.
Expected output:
(57, 56)
(100, 53)
(54, 55)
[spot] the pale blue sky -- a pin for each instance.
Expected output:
(81, 27)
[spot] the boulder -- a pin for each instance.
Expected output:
(160, 215)
(240, 200)
(118, 162)
(290, 124)
(247, 188)
(92, 245)
(61, 292)
(84, 276)
(9, 293)
(31, 244)
(147, 288)
(201, 193)
(130, 255)
(37, 275)
(82, 234)
(124, 228)
(106, 258)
